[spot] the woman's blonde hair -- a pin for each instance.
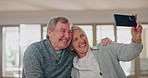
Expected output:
(75, 27)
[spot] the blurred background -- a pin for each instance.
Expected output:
(23, 22)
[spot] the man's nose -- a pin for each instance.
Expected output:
(67, 35)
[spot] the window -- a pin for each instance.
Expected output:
(124, 36)
(15, 40)
(144, 55)
(105, 31)
(29, 33)
(44, 32)
(10, 54)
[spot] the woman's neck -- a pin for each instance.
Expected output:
(81, 55)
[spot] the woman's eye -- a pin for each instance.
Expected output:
(81, 35)
(74, 40)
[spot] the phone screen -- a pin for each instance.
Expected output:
(125, 20)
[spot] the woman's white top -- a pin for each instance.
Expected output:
(87, 67)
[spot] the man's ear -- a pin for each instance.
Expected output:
(49, 31)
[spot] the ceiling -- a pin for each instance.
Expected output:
(71, 5)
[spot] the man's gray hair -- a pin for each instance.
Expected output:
(53, 22)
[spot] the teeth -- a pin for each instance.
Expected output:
(64, 40)
(82, 46)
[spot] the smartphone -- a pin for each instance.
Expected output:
(125, 20)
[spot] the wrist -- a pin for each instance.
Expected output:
(136, 40)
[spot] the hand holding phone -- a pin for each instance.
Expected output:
(125, 20)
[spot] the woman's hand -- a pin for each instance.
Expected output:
(105, 41)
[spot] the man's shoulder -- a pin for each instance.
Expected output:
(36, 48)
(38, 43)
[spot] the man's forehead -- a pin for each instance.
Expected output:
(65, 26)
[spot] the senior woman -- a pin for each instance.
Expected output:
(102, 61)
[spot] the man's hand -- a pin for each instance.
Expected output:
(105, 41)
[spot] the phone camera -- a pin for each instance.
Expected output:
(131, 18)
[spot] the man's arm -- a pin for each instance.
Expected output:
(31, 64)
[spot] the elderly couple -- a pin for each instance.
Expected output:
(66, 54)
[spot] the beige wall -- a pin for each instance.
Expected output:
(15, 18)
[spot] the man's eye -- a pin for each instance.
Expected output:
(62, 30)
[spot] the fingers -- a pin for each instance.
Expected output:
(138, 24)
(106, 41)
(135, 16)
(136, 31)
(138, 27)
